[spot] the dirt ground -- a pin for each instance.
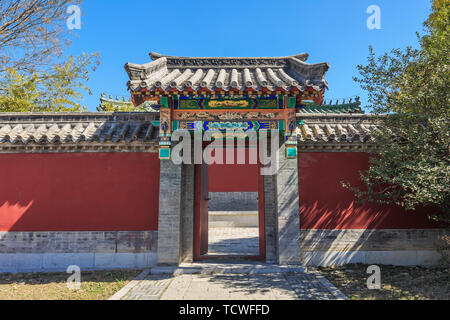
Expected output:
(397, 283)
(98, 285)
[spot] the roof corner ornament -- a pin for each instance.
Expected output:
(155, 56)
(302, 56)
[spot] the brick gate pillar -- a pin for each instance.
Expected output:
(169, 219)
(187, 213)
(288, 210)
(271, 218)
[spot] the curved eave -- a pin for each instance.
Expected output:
(167, 73)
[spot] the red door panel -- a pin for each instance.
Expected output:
(261, 215)
(204, 209)
(201, 208)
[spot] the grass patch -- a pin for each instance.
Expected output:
(397, 283)
(95, 285)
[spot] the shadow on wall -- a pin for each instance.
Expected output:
(338, 230)
(326, 204)
(340, 216)
(356, 234)
(10, 213)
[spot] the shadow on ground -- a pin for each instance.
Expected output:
(236, 246)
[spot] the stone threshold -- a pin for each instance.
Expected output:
(211, 268)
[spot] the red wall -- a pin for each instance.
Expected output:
(79, 192)
(234, 177)
(325, 204)
(119, 191)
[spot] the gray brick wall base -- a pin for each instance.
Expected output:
(396, 258)
(403, 247)
(55, 251)
(59, 262)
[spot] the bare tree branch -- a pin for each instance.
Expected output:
(32, 33)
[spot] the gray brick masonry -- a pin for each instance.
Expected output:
(288, 210)
(169, 219)
(78, 242)
(55, 251)
(271, 219)
(233, 201)
(394, 247)
(187, 213)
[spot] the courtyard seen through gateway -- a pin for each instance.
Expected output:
(233, 226)
(233, 215)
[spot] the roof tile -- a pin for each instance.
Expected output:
(67, 129)
(124, 129)
(226, 73)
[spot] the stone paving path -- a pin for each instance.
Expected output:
(233, 241)
(266, 283)
(229, 287)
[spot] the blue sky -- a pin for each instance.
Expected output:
(332, 31)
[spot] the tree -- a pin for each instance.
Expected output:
(56, 90)
(33, 76)
(33, 33)
(411, 89)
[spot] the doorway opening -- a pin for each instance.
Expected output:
(229, 212)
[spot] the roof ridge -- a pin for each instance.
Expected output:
(301, 56)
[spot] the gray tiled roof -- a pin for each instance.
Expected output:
(350, 107)
(118, 105)
(85, 130)
(322, 130)
(138, 132)
(180, 73)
